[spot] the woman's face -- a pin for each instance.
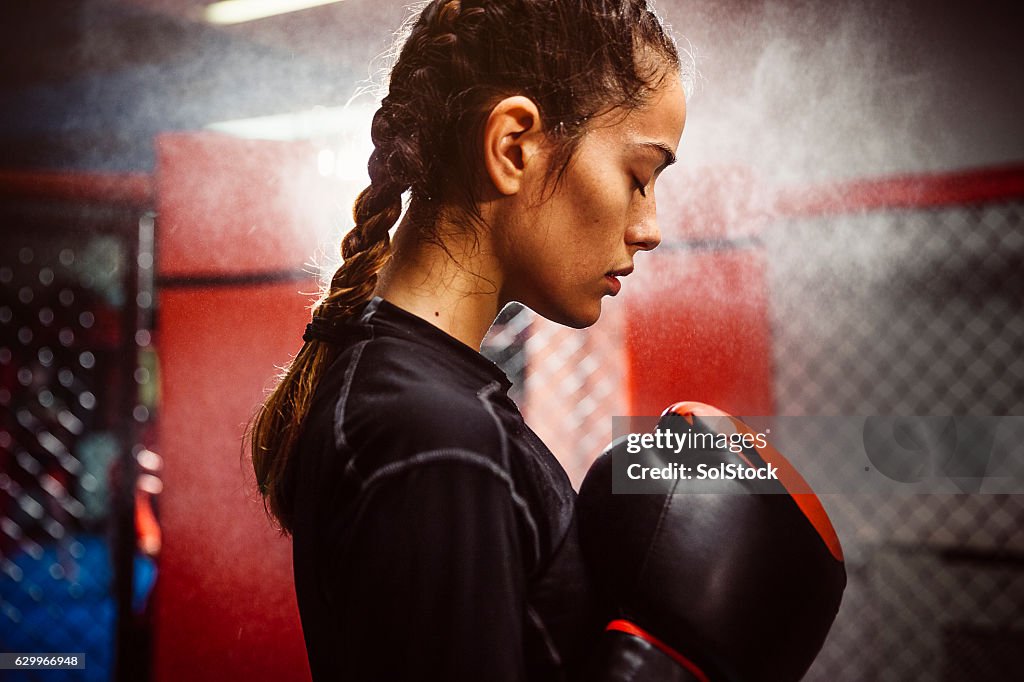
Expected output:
(562, 255)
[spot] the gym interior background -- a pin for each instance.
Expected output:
(844, 235)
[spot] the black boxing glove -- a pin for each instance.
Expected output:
(737, 585)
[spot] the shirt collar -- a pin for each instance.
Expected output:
(386, 317)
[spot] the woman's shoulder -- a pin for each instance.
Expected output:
(393, 401)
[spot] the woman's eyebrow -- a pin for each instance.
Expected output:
(669, 155)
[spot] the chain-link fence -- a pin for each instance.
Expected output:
(912, 312)
(69, 383)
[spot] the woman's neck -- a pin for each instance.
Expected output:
(455, 288)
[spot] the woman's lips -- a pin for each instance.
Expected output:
(613, 278)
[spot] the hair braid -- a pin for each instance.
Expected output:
(367, 246)
(365, 249)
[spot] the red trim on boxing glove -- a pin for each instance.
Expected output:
(632, 629)
(791, 480)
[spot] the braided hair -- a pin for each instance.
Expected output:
(575, 60)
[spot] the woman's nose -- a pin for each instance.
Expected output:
(645, 234)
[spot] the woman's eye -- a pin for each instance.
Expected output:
(641, 187)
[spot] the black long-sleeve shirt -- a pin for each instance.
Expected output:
(434, 533)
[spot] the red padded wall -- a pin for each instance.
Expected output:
(225, 603)
(698, 325)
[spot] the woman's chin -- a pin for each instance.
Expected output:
(577, 317)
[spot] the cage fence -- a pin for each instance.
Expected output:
(912, 312)
(68, 377)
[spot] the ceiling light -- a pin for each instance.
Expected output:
(311, 124)
(238, 11)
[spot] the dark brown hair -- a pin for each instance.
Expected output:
(576, 59)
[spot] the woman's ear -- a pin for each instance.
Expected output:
(512, 140)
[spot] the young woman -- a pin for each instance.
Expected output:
(434, 533)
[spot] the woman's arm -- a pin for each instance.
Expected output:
(431, 583)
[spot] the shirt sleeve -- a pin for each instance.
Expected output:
(433, 577)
